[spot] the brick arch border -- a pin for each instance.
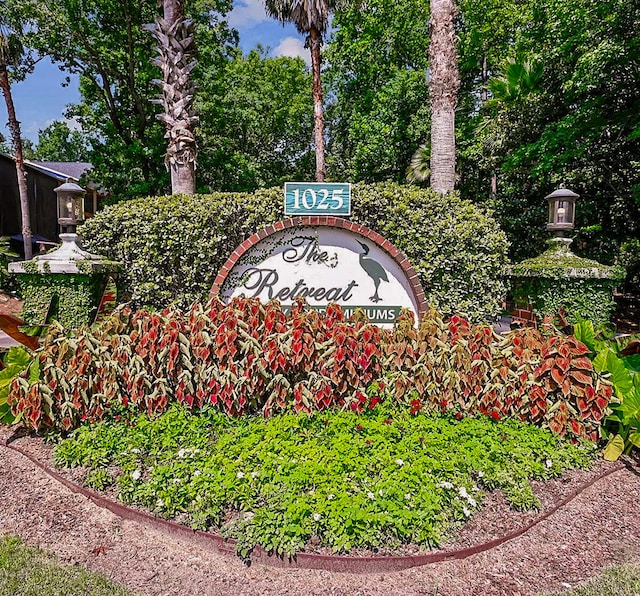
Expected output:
(331, 222)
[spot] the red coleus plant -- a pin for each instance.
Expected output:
(246, 356)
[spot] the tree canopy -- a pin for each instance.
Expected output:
(548, 96)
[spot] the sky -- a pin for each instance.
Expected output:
(40, 98)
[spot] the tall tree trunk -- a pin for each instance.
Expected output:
(314, 43)
(14, 127)
(443, 90)
(176, 50)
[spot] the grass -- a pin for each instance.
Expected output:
(30, 572)
(620, 580)
(376, 480)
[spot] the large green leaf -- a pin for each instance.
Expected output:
(583, 331)
(18, 356)
(614, 448)
(630, 407)
(632, 362)
(607, 361)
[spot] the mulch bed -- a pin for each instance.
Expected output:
(601, 526)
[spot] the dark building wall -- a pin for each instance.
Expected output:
(9, 203)
(42, 201)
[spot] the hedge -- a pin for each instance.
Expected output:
(173, 247)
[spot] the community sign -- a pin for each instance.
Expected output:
(323, 260)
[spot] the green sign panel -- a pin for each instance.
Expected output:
(317, 198)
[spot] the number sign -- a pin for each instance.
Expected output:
(317, 198)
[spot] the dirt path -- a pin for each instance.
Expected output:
(600, 527)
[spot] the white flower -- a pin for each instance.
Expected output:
(480, 474)
(407, 496)
(197, 473)
(316, 517)
(471, 501)
(177, 481)
(466, 512)
(371, 495)
(331, 497)
(446, 485)
(463, 492)
(380, 492)
(400, 462)
(240, 475)
(159, 503)
(548, 463)
(135, 450)
(136, 475)
(254, 474)
(182, 452)
(474, 488)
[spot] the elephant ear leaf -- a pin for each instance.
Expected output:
(17, 356)
(634, 439)
(583, 331)
(608, 362)
(630, 407)
(614, 448)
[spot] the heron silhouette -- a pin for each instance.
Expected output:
(373, 269)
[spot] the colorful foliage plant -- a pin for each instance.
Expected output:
(247, 357)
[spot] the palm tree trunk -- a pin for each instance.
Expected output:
(14, 127)
(314, 42)
(443, 90)
(176, 50)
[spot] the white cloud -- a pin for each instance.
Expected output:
(247, 13)
(293, 47)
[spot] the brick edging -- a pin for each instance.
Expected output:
(332, 222)
(334, 563)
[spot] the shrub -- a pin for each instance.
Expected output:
(248, 357)
(173, 247)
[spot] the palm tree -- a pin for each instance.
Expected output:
(310, 18)
(444, 82)
(11, 52)
(418, 169)
(518, 77)
(176, 50)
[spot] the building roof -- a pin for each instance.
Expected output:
(60, 169)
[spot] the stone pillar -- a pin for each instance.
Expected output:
(66, 285)
(559, 287)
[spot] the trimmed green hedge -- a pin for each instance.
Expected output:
(173, 247)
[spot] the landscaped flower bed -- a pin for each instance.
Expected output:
(246, 357)
(337, 480)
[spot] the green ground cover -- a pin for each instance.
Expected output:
(377, 479)
(621, 580)
(30, 572)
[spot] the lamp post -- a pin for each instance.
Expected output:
(562, 213)
(70, 199)
(68, 284)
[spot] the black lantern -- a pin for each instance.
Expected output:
(70, 205)
(562, 211)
